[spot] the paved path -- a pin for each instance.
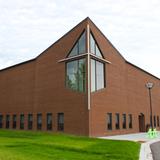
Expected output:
(142, 137)
(145, 151)
(155, 148)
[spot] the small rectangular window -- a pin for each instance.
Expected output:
(30, 121)
(7, 121)
(1, 121)
(109, 121)
(117, 121)
(14, 121)
(130, 120)
(124, 121)
(60, 122)
(158, 121)
(39, 121)
(49, 121)
(154, 121)
(22, 121)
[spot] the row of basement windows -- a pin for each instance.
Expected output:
(117, 121)
(156, 121)
(6, 121)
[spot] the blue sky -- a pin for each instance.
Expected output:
(29, 27)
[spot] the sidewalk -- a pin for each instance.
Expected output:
(145, 151)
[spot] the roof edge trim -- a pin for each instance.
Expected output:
(142, 70)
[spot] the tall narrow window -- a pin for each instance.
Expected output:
(22, 121)
(154, 121)
(109, 121)
(14, 121)
(1, 121)
(76, 75)
(30, 121)
(124, 121)
(80, 46)
(157, 121)
(117, 121)
(97, 75)
(39, 121)
(60, 122)
(7, 121)
(130, 120)
(49, 121)
(100, 75)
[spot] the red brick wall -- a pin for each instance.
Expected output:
(125, 92)
(39, 87)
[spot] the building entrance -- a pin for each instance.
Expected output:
(141, 123)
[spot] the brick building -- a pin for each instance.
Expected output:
(79, 85)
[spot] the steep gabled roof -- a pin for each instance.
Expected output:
(90, 21)
(86, 21)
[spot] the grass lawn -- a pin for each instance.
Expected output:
(26, 145)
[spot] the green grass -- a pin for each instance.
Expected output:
(26, 145)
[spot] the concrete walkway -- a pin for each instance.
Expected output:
(142, 137)
(155, 148)
(145, 151)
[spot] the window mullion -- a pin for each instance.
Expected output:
(95, 75)
(78, 75)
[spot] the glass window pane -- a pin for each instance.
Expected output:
(82, 44)
(76, 75)
(93, 75)
(154, 121)
(7, 121)
(49, 121)
(22, 121)
(74, 51)
(100, 75)
(98, 53)
(14, 121)
(61, 118)
(60, 121)
(30, 121)
(1, 121)
(82, 73)
(130, 121)
(72, 75)
(117, 120)
(92, 44)
(109, 121)
(158, 121)
(39, 121)
(124, 121)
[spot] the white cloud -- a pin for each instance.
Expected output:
(29, 27)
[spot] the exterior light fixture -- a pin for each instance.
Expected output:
(149, 86)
